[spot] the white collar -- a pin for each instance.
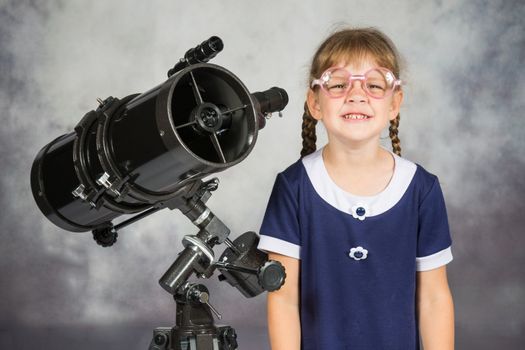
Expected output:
(326, 188)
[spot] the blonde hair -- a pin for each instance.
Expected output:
(351, 45)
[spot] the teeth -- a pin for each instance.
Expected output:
(355, 116)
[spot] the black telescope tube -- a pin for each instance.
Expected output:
(85, 179)
(132, 155)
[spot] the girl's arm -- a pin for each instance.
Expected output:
(435, 310)
(283, 308)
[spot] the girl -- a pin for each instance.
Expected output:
(363, 233)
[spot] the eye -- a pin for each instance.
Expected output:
(373, 86)
(376, 83)
(337, 83)
(336, 86)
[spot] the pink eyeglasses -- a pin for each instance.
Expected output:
(377, 82)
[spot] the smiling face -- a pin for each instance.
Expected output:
(354, 118)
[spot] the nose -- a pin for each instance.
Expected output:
(356, 93)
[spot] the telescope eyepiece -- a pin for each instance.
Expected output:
(204, 52)
(201, 53)
(272, 100)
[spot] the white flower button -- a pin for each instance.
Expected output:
(358, 253)
(360, 211)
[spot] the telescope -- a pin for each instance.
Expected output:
(145, 152)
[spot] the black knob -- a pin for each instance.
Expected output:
(160, 339)
(105, 236)
(228, 339)
(271, 275)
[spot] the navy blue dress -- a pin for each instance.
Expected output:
(358, 255)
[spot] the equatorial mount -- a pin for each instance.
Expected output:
(241, 265)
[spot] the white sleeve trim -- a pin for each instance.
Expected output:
(434, 261)
(276, 245)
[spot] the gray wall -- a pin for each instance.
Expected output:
(462, 120)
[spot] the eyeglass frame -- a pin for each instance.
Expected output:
(351, 77)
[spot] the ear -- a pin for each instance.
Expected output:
(397, 100)
(312, 101)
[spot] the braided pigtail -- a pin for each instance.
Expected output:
(308, 132)
(394, 130)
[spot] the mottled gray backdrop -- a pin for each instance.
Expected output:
(462, 120)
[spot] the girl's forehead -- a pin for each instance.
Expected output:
(357, 65)
(355, 62)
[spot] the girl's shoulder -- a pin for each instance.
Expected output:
(292, 176)
(425, 175)
(424, 181)
(296, 171)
